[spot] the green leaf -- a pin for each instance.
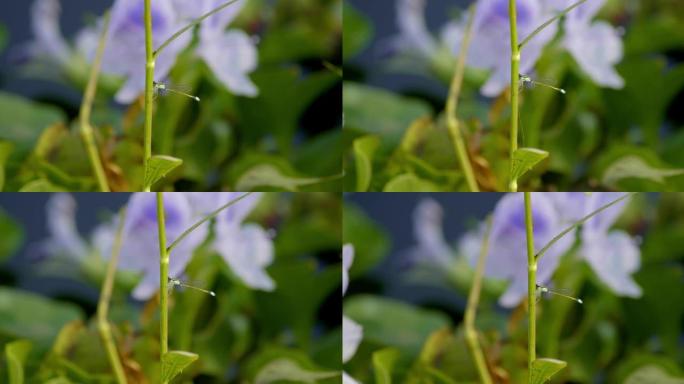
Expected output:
(3, 37)
(284, 369)
(653, 374)
(364, 148)
(19, 319)
(384, 361)
(544, 369)
(160, 166)
(357, 31)
(635, 167)
(362, 105)
(409, 182)
(524, 159)
(5, 151)
(371, 241)
(17, 352)
(268, 175)
(174, 362)
(41, 185)
(12, 236)
(393, 323)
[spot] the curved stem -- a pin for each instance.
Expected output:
(549, 22)
(452, 104)
(163, 279)
(515, 72)
(103, 305)
(471, 309)
(149, 88)
(195, 22)
(86, 107)
(531, 284)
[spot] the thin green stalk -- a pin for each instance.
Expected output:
(203, 220)
(149, 88)
(103, 305)
(86, 107)
(195, 22)
(549, 22)
(515, 72)
(452, 105)
(531, 284)
(580, 222)
(163, 278)
(471, 309)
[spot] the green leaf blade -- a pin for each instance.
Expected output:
(174, 362)
(364, 150)
(543, 369)
(524, 159)
(17, 353)
(159, 166)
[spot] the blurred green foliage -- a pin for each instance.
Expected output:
(290, 335)
(607, 339)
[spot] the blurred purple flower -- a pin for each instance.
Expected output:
(140, 243)
(596, 46)
(352, 332)
(427, 229)
(64, 238)
(49, 42)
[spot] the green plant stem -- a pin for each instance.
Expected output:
(515, 72)
(149, 88)
(103, 305)
(86, 107)
(195, 22)
(163, 278)
(452, 105)
(203, 220)
(531, 284)
(549, 22)
(471, 310)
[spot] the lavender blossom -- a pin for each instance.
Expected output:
(596, 46)
(64, 238)
(49, 41)
(352, 332)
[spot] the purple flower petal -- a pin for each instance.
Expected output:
(347, 261)
(597, 49)
(614, 257)
(231, 56)
(248, 250)
(48, 35)
(352, 334)
(427, 229)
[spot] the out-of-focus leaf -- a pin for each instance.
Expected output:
(371, 242)
(543, 369)
(362, 104)
(267, 175)
(409, 182)
(653, 374)
(364, 148)
(174, 362)
(635, 167)
(287, 370)
(524, 159)
(651, 34)
(383, 364)
(17, 352)
(42, 185)
(21, 123)
(159, 166)
(3, 37)
(12, 236)
(5, 151)
(33, 317)
(357, 31)
(392, 323)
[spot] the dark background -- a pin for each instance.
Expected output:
(372, 60)
(29, 210)
(15, 17)
(393, 212)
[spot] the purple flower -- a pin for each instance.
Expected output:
(48, 42)
(427, 229)
(596, 46)
(64, 238)
(140, 241)
(352, 332)
(613, 255)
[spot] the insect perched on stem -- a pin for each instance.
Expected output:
(542, 289)
(527, 81)
(178, 283)
(161, 89)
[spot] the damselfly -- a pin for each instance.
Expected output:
(558, 292)
(178, 283)
(162, 89)
(528, 82)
